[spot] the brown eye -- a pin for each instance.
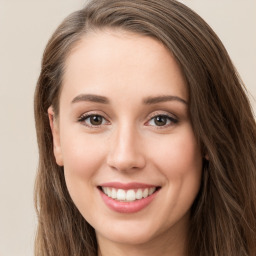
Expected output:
(92, 120)
(162, 120)
(95, 120)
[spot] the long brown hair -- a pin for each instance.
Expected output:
(223, 216)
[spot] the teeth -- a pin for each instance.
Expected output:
(109, 192)
(128, 195)
(105, 190)
(151, 191)
(114, 195)
(145, 193)
(120, 195)
(139, 194)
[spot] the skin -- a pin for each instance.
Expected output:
(128, 145)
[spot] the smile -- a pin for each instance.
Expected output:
(127, 198)
(128, 195)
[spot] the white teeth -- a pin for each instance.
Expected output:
(113, 193)
(120, 195)
(109, 192)
(105, 190)
(145, 193)
(139, 194)
(128, 195)
(151, 191)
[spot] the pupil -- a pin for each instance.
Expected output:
(96, 120)
(160, 120)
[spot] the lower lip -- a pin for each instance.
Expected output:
(127, 207)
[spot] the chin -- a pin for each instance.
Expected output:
(130, 233)
(129, 238)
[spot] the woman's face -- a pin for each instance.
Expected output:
(131, 161)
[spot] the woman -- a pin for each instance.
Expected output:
(146, 137)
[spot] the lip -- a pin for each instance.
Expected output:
(127, 207)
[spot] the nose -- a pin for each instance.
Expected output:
(126, 150)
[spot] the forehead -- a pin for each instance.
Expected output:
(118, 60)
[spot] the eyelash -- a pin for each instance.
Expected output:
(82, 119)
(172, 121)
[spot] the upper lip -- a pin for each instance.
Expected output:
(126, 186)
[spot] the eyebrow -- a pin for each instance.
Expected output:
(147, 101)
(91, 98)
(164, 98)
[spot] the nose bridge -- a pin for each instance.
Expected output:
(125, 150)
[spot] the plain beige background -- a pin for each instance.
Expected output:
(25, 27)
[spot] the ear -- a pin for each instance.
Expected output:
(56, 137)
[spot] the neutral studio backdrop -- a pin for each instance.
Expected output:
(25, 27)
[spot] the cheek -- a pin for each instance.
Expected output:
(179, 160)
(82, 154)
(178, 155)
(82, 158)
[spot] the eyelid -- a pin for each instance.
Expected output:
(161, 112)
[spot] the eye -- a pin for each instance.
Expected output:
(92, 120)
(162, 120)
